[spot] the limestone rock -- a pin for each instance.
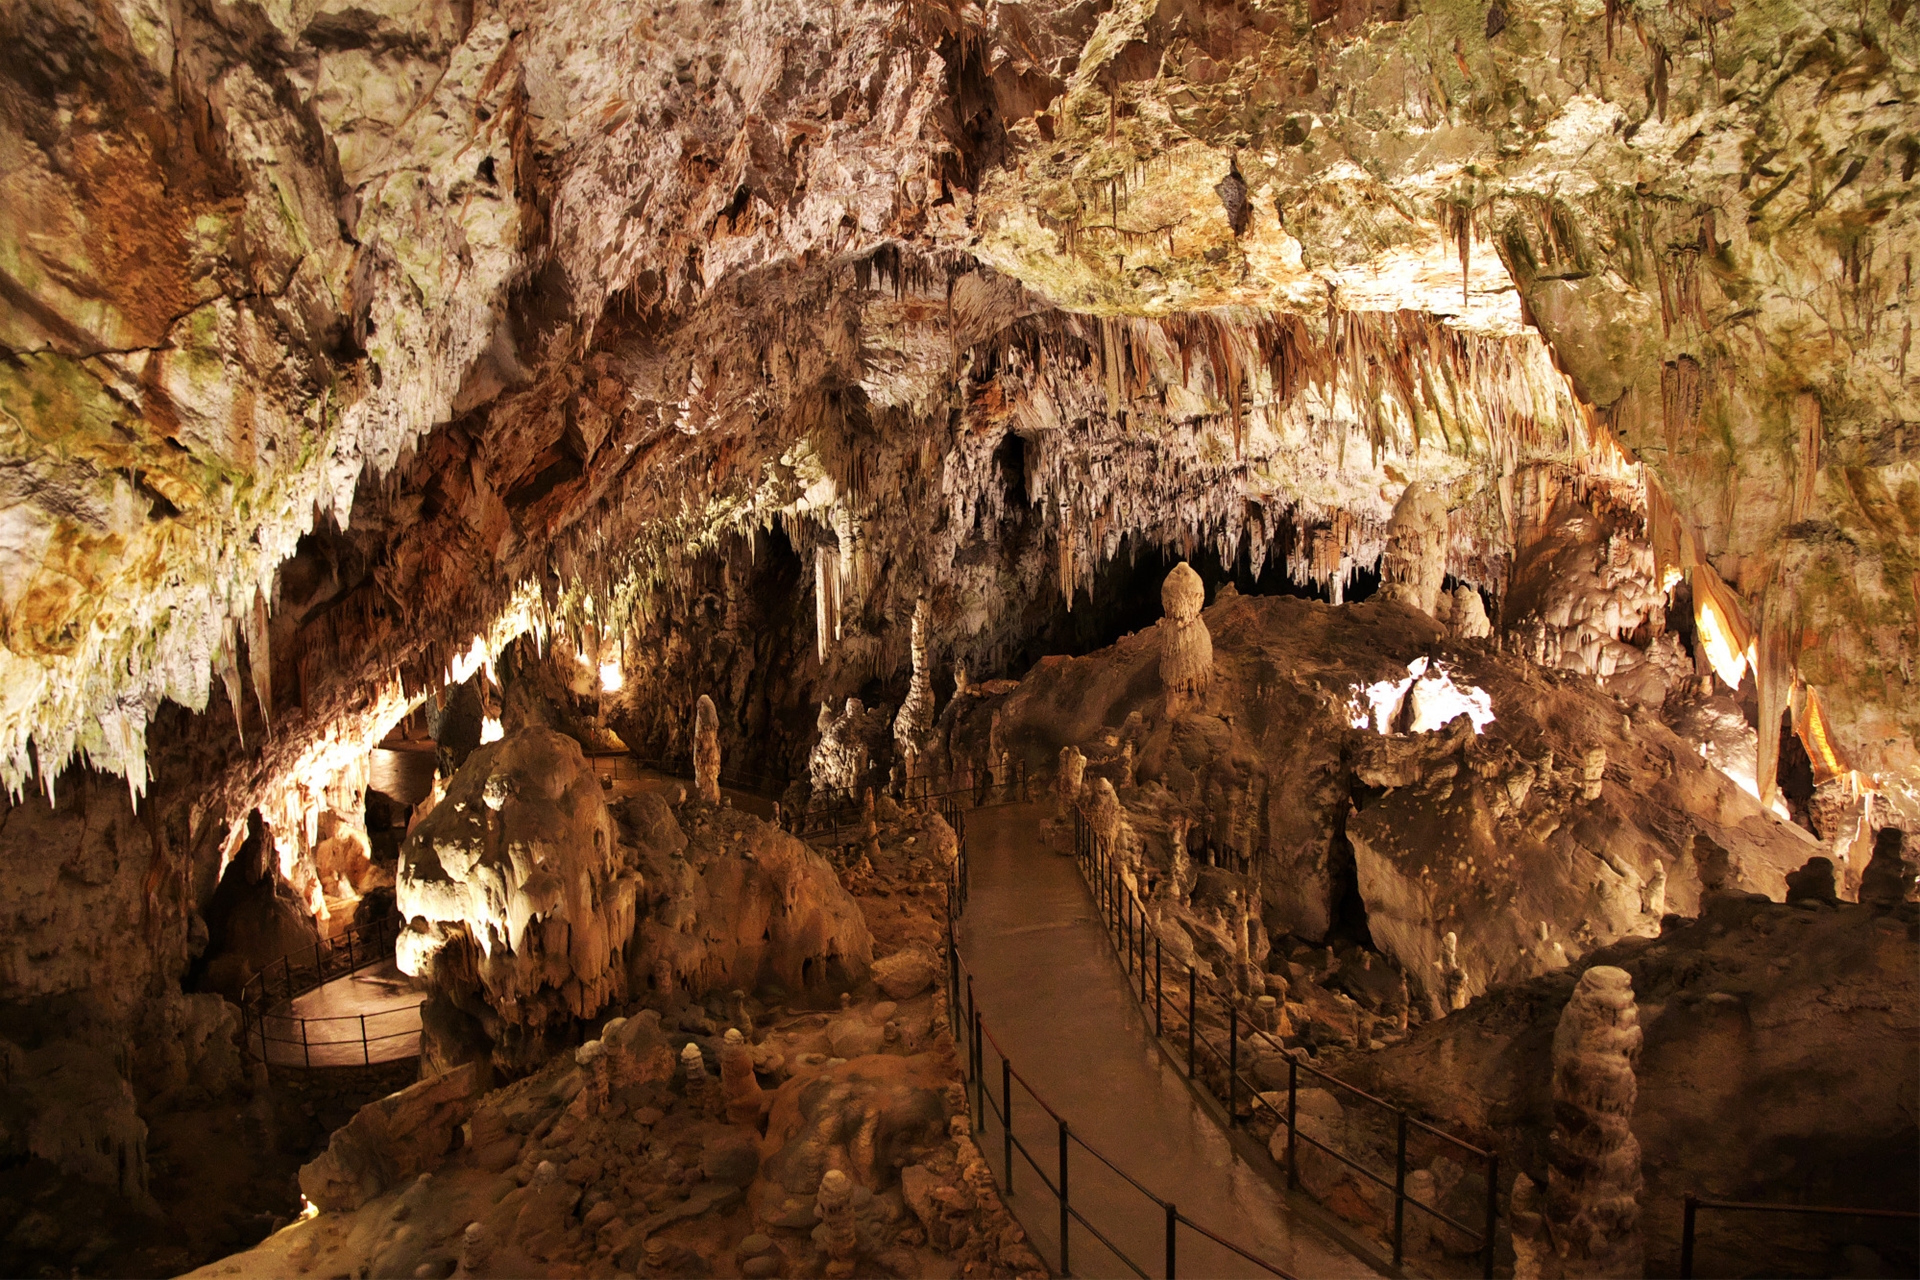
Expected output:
(517, 887)
(706, 751)
(1186, 648)
(1415, 562)
(738, 903)
(393, 1140)
(906, 973)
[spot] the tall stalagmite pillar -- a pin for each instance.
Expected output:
(915, 719)
(1414, 565)
(706, 750)
(1186, 648)
(1589, 1224)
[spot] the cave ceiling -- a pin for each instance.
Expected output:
(338, 335)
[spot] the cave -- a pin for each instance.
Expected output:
(911, 639)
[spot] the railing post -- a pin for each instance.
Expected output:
(1493, 1214)
(1691, 1204)
(1006, 1117)
(1173, 1223)
(1193, 986)
(1159, 1023)
(979, 1071)
(1143, 953)
(306, 1052)
(1400, 1193)
(1065, 1216)
(1293, 1094)
(1233, 1061)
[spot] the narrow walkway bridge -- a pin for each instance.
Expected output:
(1053, 998)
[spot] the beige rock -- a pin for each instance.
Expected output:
(516, 884)
(706, 750)
(392, 1140)
(906, 973)
(1414, 565)
(1186, 648)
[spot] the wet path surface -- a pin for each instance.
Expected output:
(365, 1017)
(1053, 996)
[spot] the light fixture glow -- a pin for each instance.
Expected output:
(490, 730)
(1437, 701)
(610, 676)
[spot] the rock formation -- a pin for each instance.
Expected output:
(1592, 1206)
(735, 903)
(706, 751)
(1414, 564)
(838, 763)
(1462, 791)
(915, 719)
(516, 890)
(1186, 650)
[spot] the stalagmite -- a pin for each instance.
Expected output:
(1468, 619)
(1589, 1225)
(914, 720)
(1888, 879)
(1067, 782)
(706, 750)
(1453, 978)
(1186, 648)
(838, 762)
(737, 1084)
(1414, 566)
(833, 1205)
(1105, 818)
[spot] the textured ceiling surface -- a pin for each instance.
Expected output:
(336, 335)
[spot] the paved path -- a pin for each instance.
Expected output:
(325, 1027)
(1051, 992)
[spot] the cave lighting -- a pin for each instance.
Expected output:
(610, 676)
(490, 730)
(1437, 701)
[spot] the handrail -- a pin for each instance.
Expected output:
(363, 945)
(1692, 1204)
(972, 1037)
(1125, 916)
(957, 784)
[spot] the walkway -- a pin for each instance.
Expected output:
(1052, 993)
(630, 779)
(365, 1017)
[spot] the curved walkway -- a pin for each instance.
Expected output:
(369, 1016)
(1053, 996)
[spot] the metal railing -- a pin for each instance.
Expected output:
(341, 1040)
(952, 793)
(973, 1038)
(297, 973)
(622, 765)
(1693, 1204)
(1128, 923)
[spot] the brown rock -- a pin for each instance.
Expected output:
(391, 1140)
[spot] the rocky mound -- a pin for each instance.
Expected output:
(1356, 767)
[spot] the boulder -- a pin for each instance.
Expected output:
(907, 972)
(389, 1141)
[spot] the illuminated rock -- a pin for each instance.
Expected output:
(515, 889)
(706, 751)
(1186, 650)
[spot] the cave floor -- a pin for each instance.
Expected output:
(363, 1018)
(1052, 994)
